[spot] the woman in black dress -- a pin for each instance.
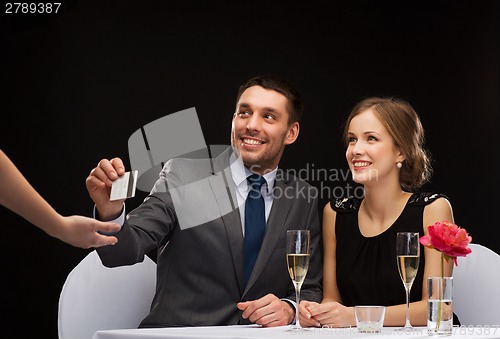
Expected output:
(385, 153)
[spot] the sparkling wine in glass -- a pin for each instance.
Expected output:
(297, 257)
(408, 256)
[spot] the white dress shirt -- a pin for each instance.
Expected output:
(240, 173)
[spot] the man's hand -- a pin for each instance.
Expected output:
(99, 184)
(268, 311)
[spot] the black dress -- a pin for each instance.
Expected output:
(367, 271)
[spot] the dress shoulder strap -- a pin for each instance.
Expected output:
(345, 205)
(424, 198)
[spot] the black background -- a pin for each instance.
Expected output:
(77, 84)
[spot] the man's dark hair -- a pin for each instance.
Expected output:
(272, 82)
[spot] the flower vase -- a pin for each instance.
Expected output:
(439, 306)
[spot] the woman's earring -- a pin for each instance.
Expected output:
(399, 164)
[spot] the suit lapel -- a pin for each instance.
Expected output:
(224, 191)
(274, 229)
(232, 223)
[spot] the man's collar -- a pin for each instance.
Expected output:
(240, 173)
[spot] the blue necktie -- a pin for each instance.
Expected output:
(255, 223)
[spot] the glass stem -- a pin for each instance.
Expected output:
(407, 324)
(297, 301)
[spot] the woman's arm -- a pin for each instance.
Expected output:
(19, 196)
(330, 288)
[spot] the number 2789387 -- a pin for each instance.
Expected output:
(32, 7)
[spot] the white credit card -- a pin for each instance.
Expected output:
(124, 186)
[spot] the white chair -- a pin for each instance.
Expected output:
(95, 297)
(476, 287)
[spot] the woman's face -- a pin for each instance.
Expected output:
(371, 152)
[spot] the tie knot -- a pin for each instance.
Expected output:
(256, 181)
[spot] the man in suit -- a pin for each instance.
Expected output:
(202, 276)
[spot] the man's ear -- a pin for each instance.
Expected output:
(293, 133)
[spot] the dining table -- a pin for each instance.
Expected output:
(286, 332)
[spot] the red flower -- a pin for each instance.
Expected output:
(449, 239)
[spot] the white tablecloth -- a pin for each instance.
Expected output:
(257, 332)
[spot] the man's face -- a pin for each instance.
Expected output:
(260, 129)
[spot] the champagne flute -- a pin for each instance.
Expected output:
(297, 257)
(408, 257)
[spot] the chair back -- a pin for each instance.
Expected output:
(476, 293)
(95, 297)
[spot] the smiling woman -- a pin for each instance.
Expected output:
(385, 153)
(388, 126)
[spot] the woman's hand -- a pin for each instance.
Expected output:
(331, 314)
(305, 318)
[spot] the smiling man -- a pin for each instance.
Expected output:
(228, 270)
(262, 125)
